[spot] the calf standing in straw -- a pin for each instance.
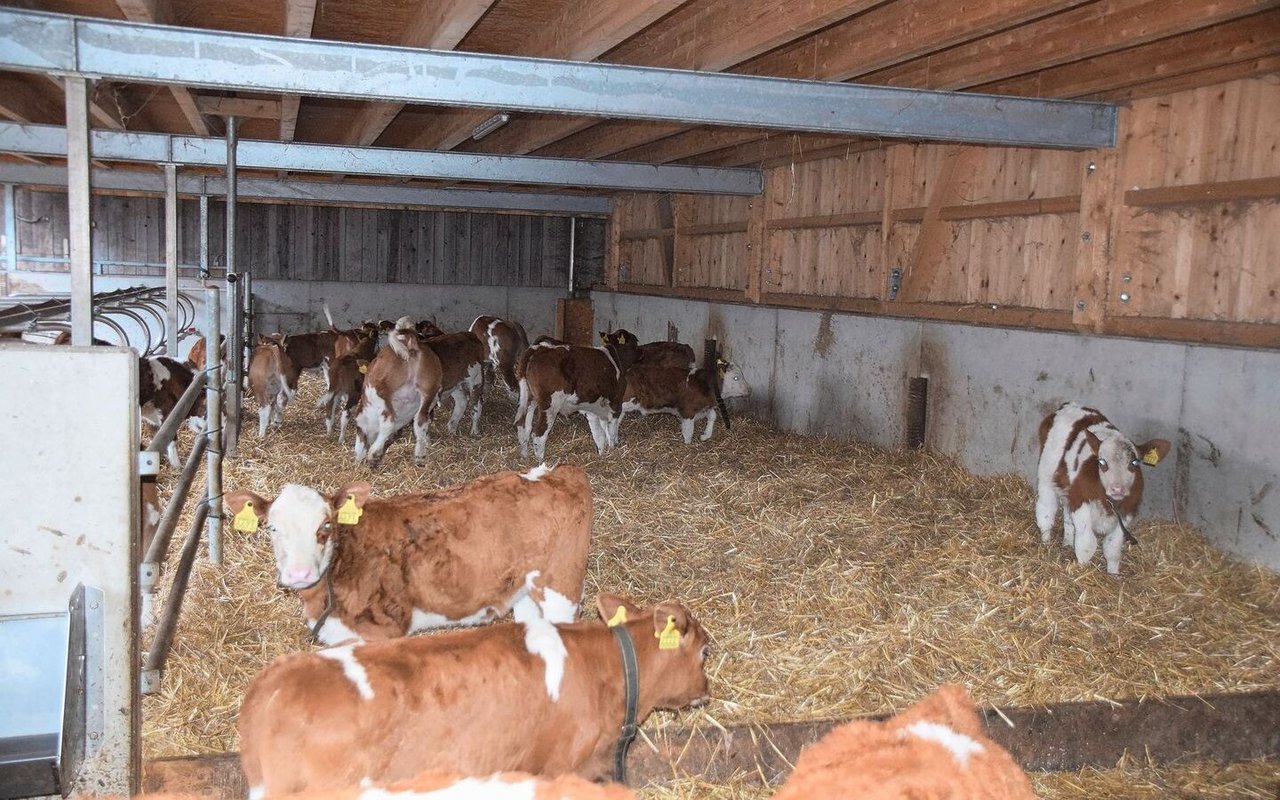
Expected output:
(534, 696)
(1094, 473)
(273, 380)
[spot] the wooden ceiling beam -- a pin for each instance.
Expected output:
(243, 107)
(1129, 70)
(892, 33)
(299, 18)
(1106, 34)
(1237, 48)
(1085, 32)
(707, 37)
(23, 101)
(436, 26)
(147, 11)
(584, 30)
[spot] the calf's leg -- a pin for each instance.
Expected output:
(1086, 539)
(1112, 547)
(1047, 502)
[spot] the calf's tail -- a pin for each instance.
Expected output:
(523, 405)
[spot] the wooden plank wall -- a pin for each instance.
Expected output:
(1175, 233)
(297, 242)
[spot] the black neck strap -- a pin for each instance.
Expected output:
(328, 605)
(630, 674)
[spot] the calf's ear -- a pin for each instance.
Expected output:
(360, 490)
(1154, 451)
(237, 500)
(609, 605)
(670, 620)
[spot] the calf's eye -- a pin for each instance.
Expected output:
(1102, 462)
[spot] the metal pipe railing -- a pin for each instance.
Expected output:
(158, 550)
(153, 664)
(213, 420)
(169, 428)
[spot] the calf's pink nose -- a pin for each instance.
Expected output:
(299, 576)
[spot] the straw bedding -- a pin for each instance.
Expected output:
(834, 578)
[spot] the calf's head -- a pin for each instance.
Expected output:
(732, 384)
(1119, 462)
(304, 525)
(676, 677)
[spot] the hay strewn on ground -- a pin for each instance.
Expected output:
(835, 579)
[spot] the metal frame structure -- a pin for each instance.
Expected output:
(133, 52)
(51, 140)
(358, 194)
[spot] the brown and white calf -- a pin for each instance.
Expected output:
(426, 328)
(437, 785)
(310, 350)
(689, 395)
(161, 383)
(196, 355)
(346, 382)
(463, 555)
(654, 354)
(532, 696)
(558, 380)
(402, 385)
(1093, 472)
(937, 748)
(504, 341)
(362, 341)
(461, 375)
(273, 380)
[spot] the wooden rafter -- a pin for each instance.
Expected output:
(888, 34)
(437, 26)
(146, 11)
(1114, 62)
(582, 31)
(243, 107)
(959, 165)
(299, 17)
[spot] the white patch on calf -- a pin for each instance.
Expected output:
(958, 744)
(536, 473)
(733, 384)
(556, 608)
(541, 637)
(335, 631)
(351, 667)
(424, 620)
(294, 520)
(492, 788)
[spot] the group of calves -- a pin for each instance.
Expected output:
(515, 708)
(387, 388)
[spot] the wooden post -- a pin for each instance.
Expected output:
(757, 245)
(1101, 199)
(952, 181)
(621, 209)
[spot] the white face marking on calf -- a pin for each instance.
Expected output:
(351, 667)
(1117, 466)
(159, 372)
(959, 745)
(541, 637)
(295, 520)
(536, 473)
(733, 384)
(493, 788)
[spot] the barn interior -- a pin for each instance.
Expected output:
(917, 230)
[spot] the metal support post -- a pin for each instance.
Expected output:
(246, 296)
(213, 420)
(204, 237)
(171, 260)
(79, 233)
(235, 363)
(573, 232)
(10, 230)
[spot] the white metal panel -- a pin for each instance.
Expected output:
(69, 499)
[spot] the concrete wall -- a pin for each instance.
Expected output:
(845, 375)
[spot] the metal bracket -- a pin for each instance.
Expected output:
(149, 681)
(148, 463)
(895, 282)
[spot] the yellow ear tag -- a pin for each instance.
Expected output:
(669, 639)
(619, 616)
(350, 513)
(1151, 457)
(364, 368)
(246, 520)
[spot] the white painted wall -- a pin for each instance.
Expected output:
(69, 495)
